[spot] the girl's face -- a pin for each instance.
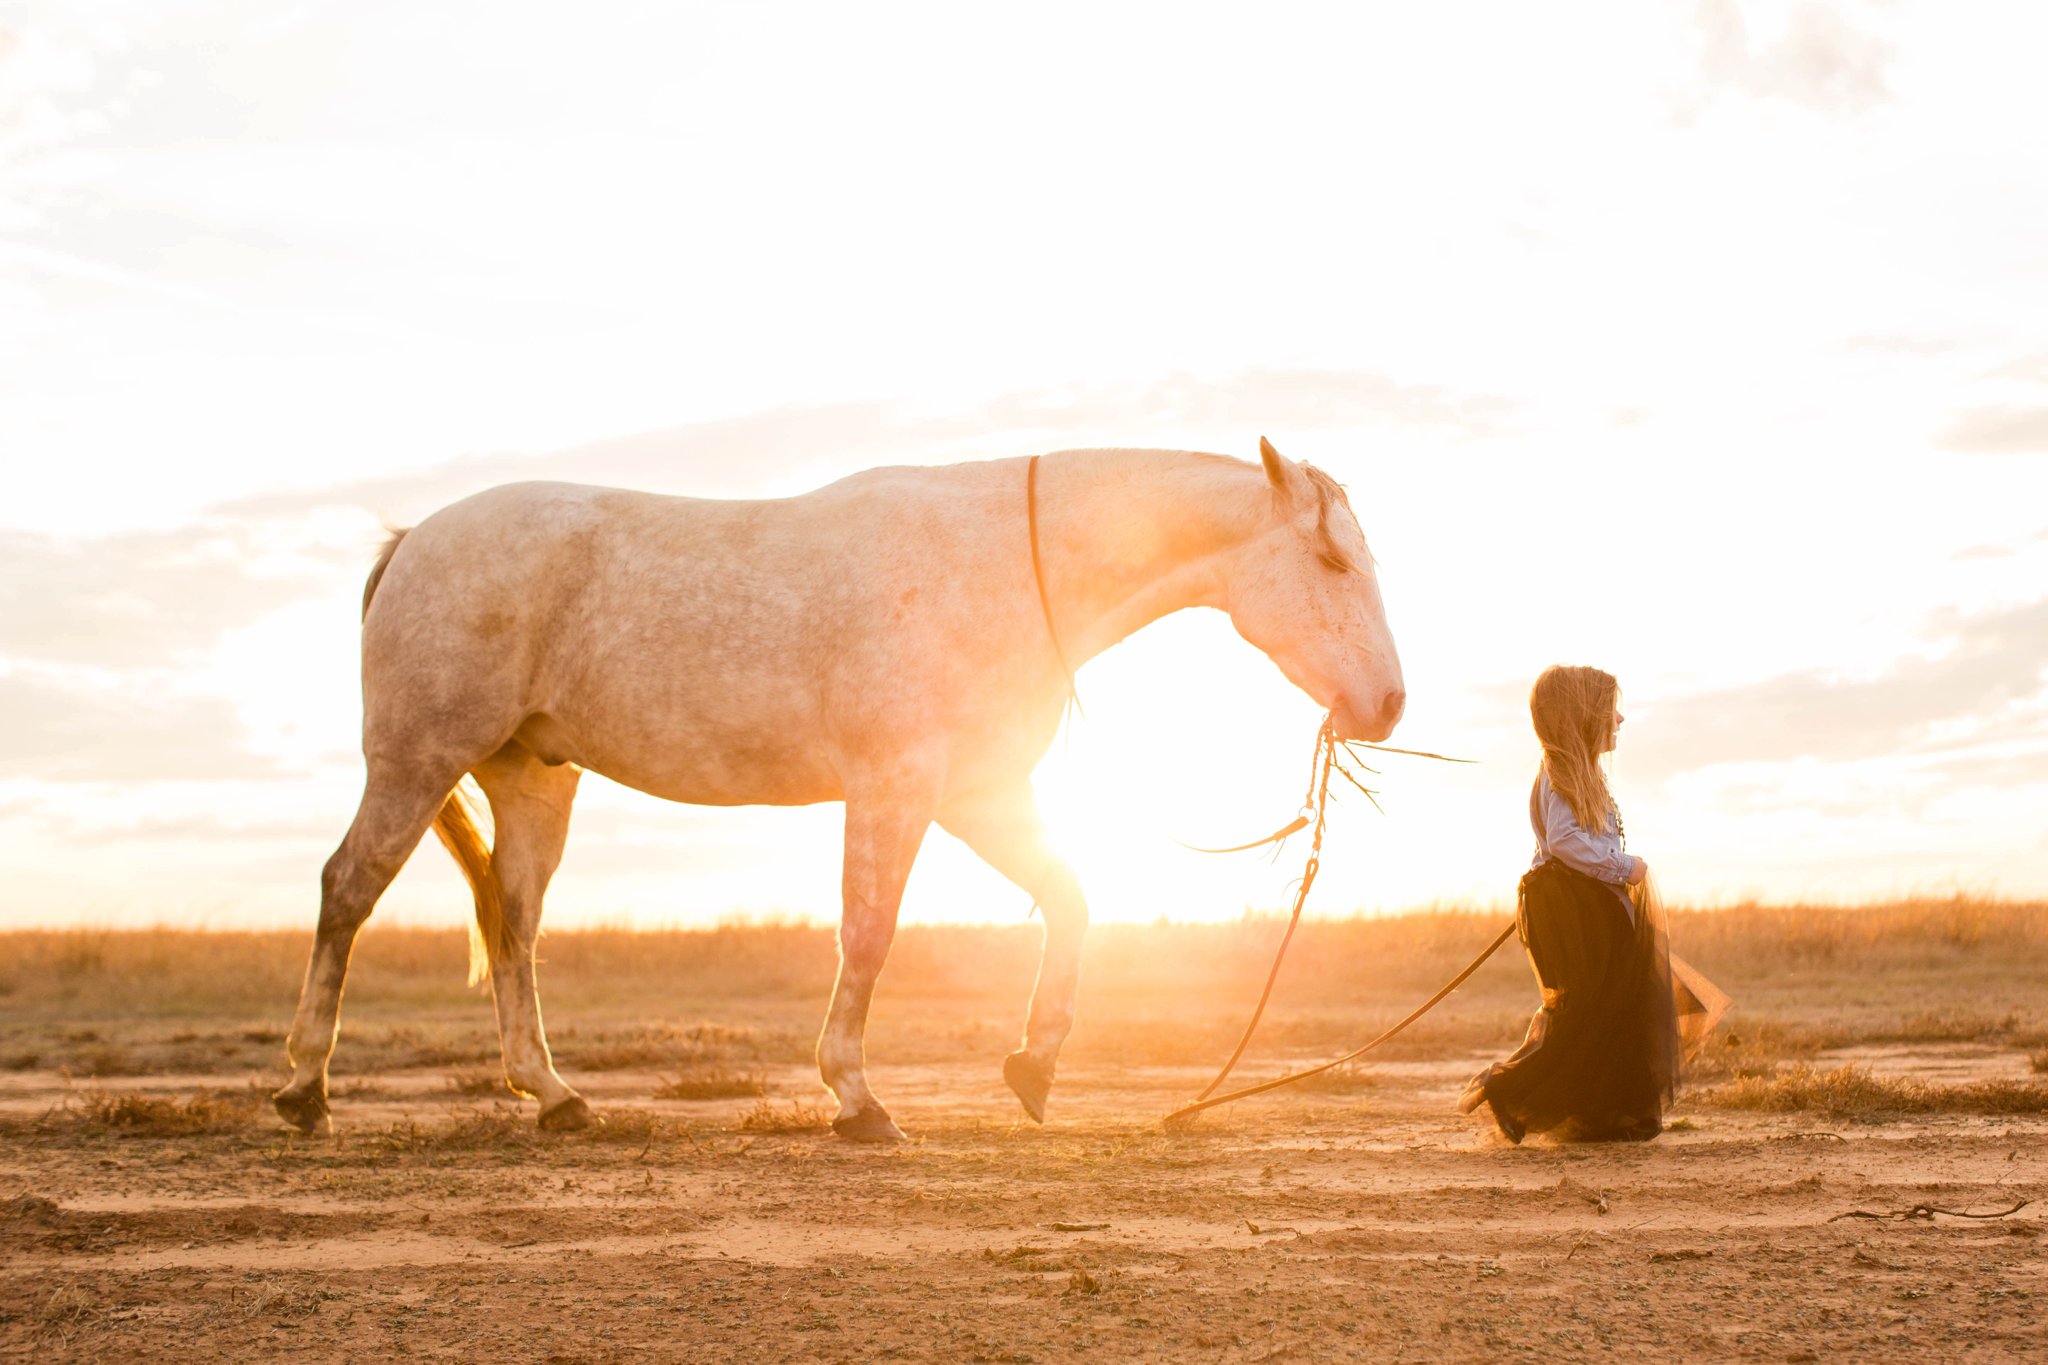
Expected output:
(1613, 731)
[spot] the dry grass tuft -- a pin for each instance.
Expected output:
(712, 1083)
(499, 1126)
(2039, 1061)
(1752, 1051)
(140, 985)
(1947, 1026)
(643, 1126)
(274, 1302)
(1854, 1092)
(685, 1046)
(623, 1056)
(478, 1082)
(105, 1059)
(134, 1115)
(511, 1128)
(795, 1117)
(32, 1207)
(69, 1307)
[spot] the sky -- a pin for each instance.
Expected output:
(1699, 342)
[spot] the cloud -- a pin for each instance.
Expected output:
(1256, 398)
(1996, 658)
(48, 81)
(1999, 431)
(1977, 552)
(198, 828)
(1819, 61)
(804, 446)
(146, 599)
(725, 458)
(1903, 343)
(1999, 549)
(66, 733)
(2016, 769)
(2028, 369)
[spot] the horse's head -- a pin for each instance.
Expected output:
(1303, 591)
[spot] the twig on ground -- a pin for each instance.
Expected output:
(1927, 1211)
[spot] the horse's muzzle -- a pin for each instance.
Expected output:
(1373, 726)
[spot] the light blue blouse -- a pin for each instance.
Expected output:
(1559, 835)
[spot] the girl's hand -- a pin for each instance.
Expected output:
(1642, 872)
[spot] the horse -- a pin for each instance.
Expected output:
(902, 640)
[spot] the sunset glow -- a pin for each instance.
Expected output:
(1699, 344)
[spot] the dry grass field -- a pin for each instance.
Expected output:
(1880, 1078)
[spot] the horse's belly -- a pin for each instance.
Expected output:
(699, 765)
(699, 785)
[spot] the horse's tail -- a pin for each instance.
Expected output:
(383, 563)
(456, 827)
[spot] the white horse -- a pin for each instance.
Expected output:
(881, 641)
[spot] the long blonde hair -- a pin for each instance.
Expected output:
(1573, 710)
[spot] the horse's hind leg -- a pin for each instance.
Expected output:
(396, 809)
(530, 807)
(883, 832)
(1004, 828)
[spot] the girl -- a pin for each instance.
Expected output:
(1601, 1055)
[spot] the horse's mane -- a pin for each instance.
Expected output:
(1329, 493)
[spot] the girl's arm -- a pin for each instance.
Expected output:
(1599, 856)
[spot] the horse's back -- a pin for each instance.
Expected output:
(709, 650)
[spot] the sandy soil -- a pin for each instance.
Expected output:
(1372, 1224)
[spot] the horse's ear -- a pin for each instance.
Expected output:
(1279, 472)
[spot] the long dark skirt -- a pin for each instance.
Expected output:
(1601, 1056)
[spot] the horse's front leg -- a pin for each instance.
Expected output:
(1004, 828)
(885, 824)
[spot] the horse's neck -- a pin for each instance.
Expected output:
(1127, 538)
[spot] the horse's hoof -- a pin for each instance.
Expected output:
(871, 1123)
(306, 1111)
(1031, 1081)
(566, 1116)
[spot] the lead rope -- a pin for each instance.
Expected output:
(1314, 810)
(1316, 805)
(1187, 1111)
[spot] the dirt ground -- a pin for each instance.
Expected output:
(1362, 1220)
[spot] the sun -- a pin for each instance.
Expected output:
(1188, 740)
